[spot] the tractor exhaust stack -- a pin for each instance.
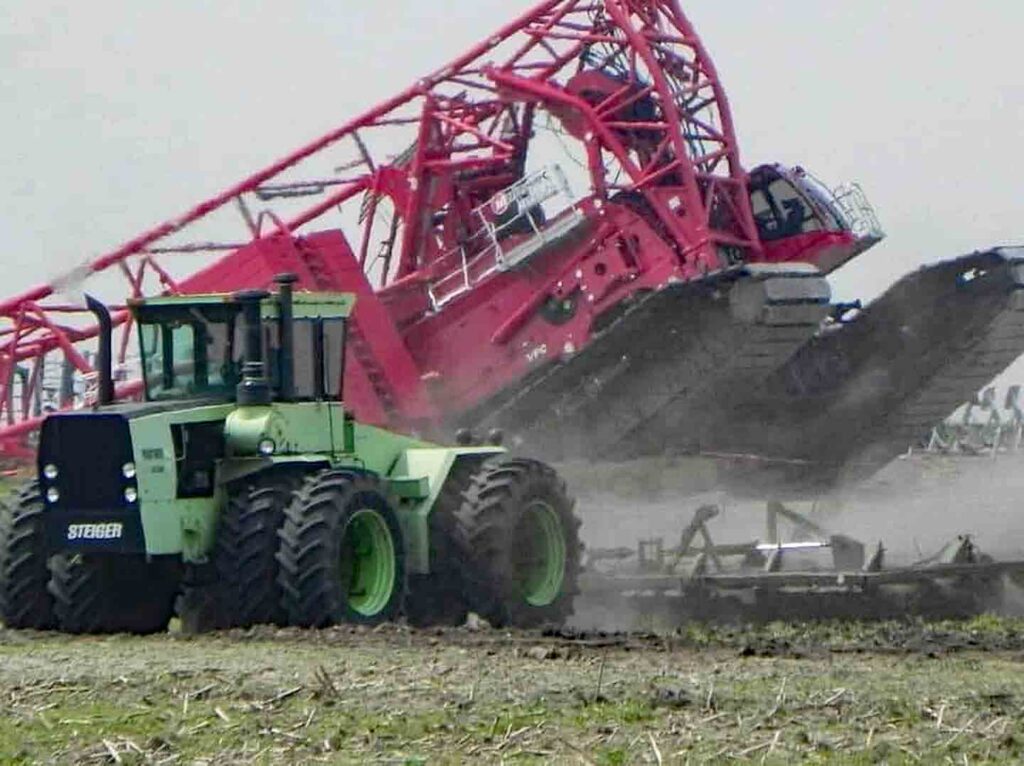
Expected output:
(254, 388)
(105, 394)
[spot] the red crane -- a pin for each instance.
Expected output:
(496, 219)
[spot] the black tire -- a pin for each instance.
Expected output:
(201, 608)
(437, 598)
(113, 593)
(989, 591)
(244, 589)
(25, 601)
(319, 572)
(495, 533)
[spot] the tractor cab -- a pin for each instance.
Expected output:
(800, 219)
(250, 347)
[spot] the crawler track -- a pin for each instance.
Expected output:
(860, 394)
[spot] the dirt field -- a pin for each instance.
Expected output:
(819, 693)
(856, 694)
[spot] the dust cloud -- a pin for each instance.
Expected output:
(914, 506)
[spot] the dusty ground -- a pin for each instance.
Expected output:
(909, 693)
(851, 693)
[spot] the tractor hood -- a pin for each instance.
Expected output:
(134, 410)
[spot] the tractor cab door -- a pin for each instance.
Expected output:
(799, 219)
(189, 352)
(318, 357)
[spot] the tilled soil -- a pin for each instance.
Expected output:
(894, 692)
(884, 692)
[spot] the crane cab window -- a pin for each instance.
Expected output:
(785, 207)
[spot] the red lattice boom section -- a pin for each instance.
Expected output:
(625, 87)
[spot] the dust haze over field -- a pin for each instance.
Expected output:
(927, 499)
(914, 506)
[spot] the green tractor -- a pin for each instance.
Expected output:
(240, 491)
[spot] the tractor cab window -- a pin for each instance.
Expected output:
(316, 340)
(786, 207)
(189, 352)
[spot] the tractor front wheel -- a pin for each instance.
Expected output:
(519, 541)
(244, 589)
(25, 601)
(341, 554)
(113, 593)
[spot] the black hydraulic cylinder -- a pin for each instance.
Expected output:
(286, 318)
(104, 357)
(254, 387)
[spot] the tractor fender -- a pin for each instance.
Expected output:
(232, 470)
(417, 478)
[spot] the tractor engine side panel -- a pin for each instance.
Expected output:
(176, 453)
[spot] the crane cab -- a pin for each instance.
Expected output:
(800, 219)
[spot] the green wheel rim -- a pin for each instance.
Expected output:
(540, 550)
(368, 562)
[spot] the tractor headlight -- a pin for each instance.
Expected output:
(267, 447)
(131, 494)
(128, 470)
(50, 471)
(53, 494)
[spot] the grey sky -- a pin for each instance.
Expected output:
(117, 114)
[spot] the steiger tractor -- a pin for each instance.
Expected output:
(242, 491)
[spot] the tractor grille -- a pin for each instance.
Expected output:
(89, 450)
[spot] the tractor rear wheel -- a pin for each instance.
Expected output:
(113, 593)
(437, 598)
(25, 601)
(519, 541)
(244, 590)
(341, 554)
